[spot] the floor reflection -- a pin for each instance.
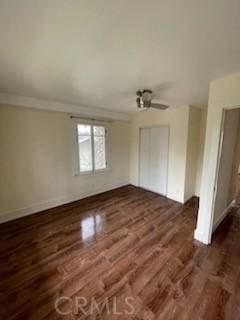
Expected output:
(91, 226)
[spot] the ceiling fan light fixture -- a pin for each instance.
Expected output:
(144, 101)
(147, 95)
(142, 105)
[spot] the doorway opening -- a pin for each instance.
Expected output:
(227, 185)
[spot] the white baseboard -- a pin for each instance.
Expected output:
(223, 215)
(19, 213)
(174, 199)
(201, 237)
(167, 195)
(188, 198)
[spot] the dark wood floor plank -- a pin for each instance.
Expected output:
(124, 243)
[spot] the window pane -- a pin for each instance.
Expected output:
(84, 129)
(85, 153)
(100, 152)
(99, 131)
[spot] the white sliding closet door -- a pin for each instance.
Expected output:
(154, 158)
(145, 135)
(159, 159)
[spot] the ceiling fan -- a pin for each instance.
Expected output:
(144, 100)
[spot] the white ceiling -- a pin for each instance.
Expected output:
(98, 52)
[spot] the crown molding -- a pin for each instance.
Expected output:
(15, 100)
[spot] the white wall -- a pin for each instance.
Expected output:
(36, 163)
(224, 93)
(177, 119)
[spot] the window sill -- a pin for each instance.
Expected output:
(92, 173)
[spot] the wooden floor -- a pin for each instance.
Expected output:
(125, 254)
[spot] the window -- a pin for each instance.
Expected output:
(85, 147)
(92, 147)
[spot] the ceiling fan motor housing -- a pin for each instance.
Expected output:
(143, 105)
(144, 99)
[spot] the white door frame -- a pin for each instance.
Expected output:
(139, 154)
(220, 146)
(204, 227)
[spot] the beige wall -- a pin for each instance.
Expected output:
(193, 152)
(187, 132)
(178, 120)
(37, 158)
(224, 93)
(36, 163)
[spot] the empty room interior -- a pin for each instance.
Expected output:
(120, 159)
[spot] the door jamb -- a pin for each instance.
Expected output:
(219, 156)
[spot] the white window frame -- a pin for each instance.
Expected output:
(76, 122)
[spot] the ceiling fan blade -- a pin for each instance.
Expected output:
(159, 106)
